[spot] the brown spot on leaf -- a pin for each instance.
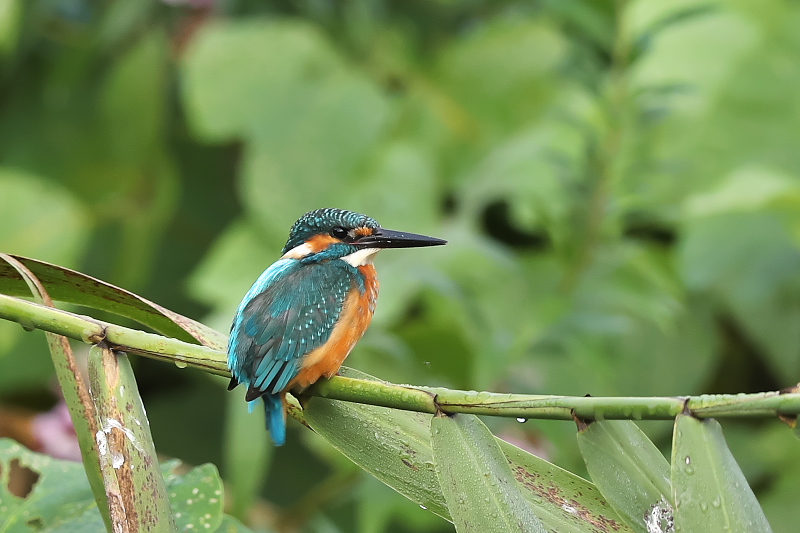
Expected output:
(553, 494)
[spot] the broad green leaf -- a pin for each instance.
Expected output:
(61, 500)
(125, 445)
(60, 487)
(196, 497)
(629, 471)
(710, 492)
(395, 447)
(69, 286)
(563, 501)
(481, 492)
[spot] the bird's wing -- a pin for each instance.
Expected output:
(282, 321)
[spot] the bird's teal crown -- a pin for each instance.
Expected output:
(328, 221)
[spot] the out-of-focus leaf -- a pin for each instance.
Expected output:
(232, 264)
(379, 506)
(501, 72)
(630, 331)
(537, 171)
(10, 19)
(132, 118)
(481, 492)
(397, 166)
(230, 525)
(303, 111)
(672, 55)
(220, 94)
(247, 454)
(69, 286)
(782, 495)
(710, 491)
(629, 471)
(731, 254)
(746, 190)
(395, 447)
(739, 243)
(133, 96)
(40, 218)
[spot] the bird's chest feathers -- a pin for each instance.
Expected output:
(354, 319)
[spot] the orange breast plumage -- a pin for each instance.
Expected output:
(353, 322)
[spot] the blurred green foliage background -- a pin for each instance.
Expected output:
(619, 182)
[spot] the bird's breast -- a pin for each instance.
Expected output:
(353, 321)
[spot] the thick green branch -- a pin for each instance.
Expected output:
(407, 397)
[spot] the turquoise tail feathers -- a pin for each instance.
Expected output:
(276, 418)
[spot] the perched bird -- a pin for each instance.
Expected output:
(303, 315)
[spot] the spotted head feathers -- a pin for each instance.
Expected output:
(338, 223)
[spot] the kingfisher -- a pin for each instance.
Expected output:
(303, 315)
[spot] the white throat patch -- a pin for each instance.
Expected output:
(361, 257)
(298, 252)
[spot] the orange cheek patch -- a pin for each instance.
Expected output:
(317, 243)
(363, 232)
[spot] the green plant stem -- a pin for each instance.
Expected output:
(785, 404)
(119, 338)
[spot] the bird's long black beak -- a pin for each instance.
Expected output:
(386, 238)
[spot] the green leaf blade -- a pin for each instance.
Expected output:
(70, 286)
(395, 447)
(710, 491)
(477, 482)
(628, 469)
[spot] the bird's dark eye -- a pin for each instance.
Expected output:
(339, 232)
